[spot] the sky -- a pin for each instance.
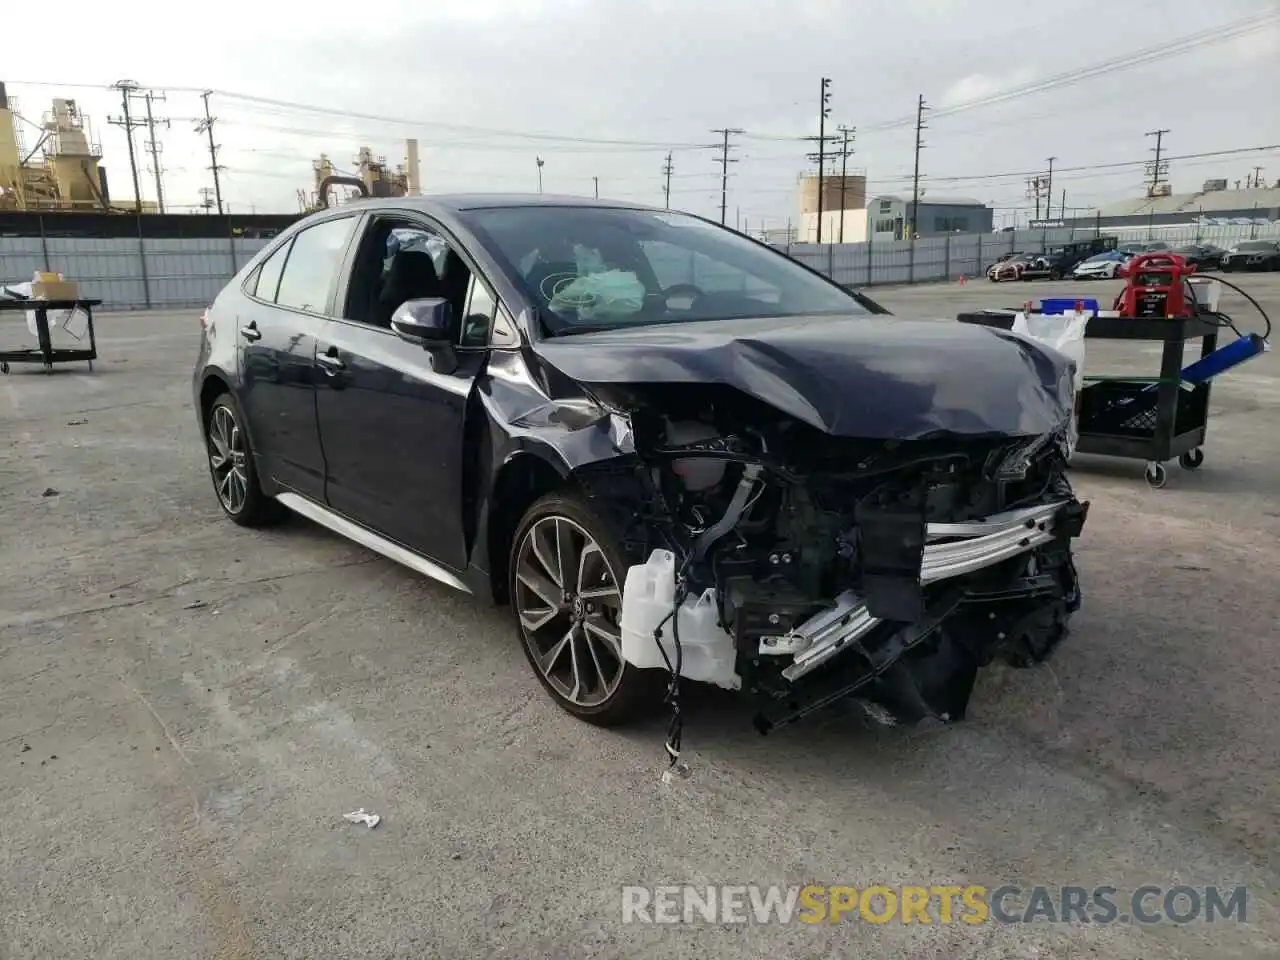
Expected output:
(605, 88)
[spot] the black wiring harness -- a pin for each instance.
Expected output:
(1221, 319)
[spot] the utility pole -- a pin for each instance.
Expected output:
(822, 138)
(846, 148)
(1035, 187)
(154, 146)
(724, 160)
(666, 190)
(1048, 192)
(915, 187)
(128, 90)
(1156, 170)
(1257, 176)
(206, 126)
(921, 107)
(597, 182)
(540, 163)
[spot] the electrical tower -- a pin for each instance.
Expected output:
(206, 126)
(724, 160)
(1156, 169)
(666, 173)
(154, 145)
(921, 126)
(128, 92)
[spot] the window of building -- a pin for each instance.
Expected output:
(884, 225)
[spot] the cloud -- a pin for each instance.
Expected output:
(976, 86)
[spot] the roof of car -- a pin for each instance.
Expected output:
(458, 202)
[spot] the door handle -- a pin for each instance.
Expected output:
(251, 332)
(330, 363)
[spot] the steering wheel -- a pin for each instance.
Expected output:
(682, 290)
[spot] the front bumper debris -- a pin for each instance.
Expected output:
(966, 548)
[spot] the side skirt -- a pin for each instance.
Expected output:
(367, 538)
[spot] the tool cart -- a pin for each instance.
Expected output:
(45, 353)
(1156, 419)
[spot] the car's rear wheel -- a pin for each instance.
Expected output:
(235, 479)
(567, 570)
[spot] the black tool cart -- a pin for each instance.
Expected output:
(1156, 419)
(46, 353)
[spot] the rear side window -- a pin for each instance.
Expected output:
(269, 275)
(312, 267)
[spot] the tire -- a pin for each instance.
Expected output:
(236, 486)
(564, 641)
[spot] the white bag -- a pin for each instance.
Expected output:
(1064, 333)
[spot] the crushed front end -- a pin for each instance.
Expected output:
(803, 568)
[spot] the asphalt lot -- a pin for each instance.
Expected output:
(187, 709)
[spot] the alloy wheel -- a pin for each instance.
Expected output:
(227, 459)
(570, 606)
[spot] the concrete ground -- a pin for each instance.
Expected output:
(187, 709)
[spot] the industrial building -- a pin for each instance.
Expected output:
(1213, 203)
(61, 171)
(848, 216)
(374, 177)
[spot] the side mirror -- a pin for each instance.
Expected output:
(427, 322)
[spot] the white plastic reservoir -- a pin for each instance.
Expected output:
(647, 598)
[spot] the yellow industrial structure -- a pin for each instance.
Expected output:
(376, 176)
(63, 170)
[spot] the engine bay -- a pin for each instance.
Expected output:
(802, 568)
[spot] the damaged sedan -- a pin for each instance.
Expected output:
(673, 451)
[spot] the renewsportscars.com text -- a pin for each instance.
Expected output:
(934, 904)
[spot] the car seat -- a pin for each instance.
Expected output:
(412, 277)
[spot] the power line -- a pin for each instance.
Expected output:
(915, 176)
(1048, 212)
(666, 190)
(824, 112)
(724, 160)
(846, 148)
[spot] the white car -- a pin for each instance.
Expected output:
(1101, 266)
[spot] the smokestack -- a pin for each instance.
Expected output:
(412, 172)
(102, 187)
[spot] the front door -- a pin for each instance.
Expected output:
(391, 418)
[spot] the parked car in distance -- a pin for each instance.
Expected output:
(1252, 255)
(1203, 256)
(1009, 267)
(1148, 246)
(670, 449)
(1101, 266)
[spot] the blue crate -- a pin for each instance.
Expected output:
(1059, 305)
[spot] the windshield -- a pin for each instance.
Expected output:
(591, 268)
(1255, 246)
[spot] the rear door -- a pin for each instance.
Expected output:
(289, 299)
(391, 417)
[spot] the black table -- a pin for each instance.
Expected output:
(1122, 416)
(45, 353)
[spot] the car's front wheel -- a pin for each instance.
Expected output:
(567, 570)
(235, 478)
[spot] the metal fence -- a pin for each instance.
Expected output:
(128, 273)
(132, 274)
(969, 254)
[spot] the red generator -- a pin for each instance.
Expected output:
(1156, 287)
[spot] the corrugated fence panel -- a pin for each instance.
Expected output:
(20, 257)
(188, 273)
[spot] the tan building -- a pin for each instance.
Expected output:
(844, 201)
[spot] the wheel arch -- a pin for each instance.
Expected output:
(525, 476)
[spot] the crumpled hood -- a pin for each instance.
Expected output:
(870, 377)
